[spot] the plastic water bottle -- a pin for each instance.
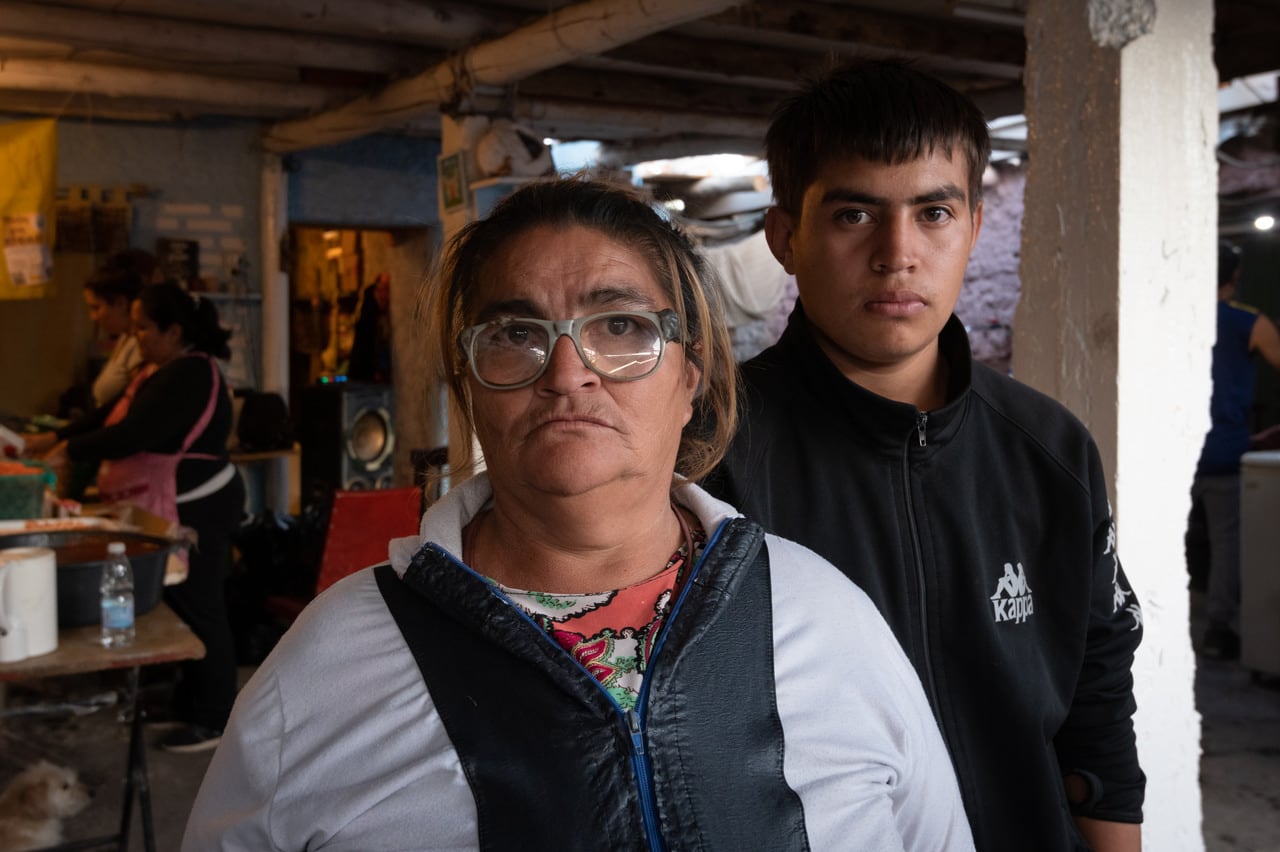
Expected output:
(117, 598)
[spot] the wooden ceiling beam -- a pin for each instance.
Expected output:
(647, 91)
(945, 46)
(434, 24)
(152, 38)
(673, 55)
(70, 78)
(97, 107)
(570, 32)
(854, 26)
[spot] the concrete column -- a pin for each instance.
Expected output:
(1116, 317)
(274, 216)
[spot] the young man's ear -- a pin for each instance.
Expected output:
(778, 228)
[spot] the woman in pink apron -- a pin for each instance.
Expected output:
(164, 448)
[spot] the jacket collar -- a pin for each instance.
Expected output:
(444, 521)
(886, 422)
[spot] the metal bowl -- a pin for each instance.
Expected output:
(80, 556)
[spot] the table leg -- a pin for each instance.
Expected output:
(135, 737)
(137, 781)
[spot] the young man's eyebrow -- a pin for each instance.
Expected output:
(852, 196)
(947, 192)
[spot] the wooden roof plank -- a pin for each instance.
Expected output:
(560, 37)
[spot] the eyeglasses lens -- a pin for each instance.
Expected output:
(618, 346)
(621, 346)
(510, 353)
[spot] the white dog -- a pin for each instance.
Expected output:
(34, 804)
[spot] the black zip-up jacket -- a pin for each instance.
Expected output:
(983, 532)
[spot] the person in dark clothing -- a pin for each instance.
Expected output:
(163, 446)
(370, 359)
(972, 509)
(1215, 492)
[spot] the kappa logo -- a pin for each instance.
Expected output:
(1012, 600)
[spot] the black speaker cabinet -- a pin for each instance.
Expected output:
(347, 437)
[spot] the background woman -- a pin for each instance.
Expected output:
(166, 451)
(582, 650)
(108, 294)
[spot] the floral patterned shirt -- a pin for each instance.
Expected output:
(613, 633)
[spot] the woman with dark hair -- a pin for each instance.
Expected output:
(582, 649)
(166, 451)
(108, 294)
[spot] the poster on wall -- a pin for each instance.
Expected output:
(28, 190)
(452, 174)
(180, 259)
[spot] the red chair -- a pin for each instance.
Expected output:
(360, 525)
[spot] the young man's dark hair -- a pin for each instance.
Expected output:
(973, 510)
(884, 111)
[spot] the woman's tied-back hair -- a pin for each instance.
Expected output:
(883, 111)
(618, 212)
(167, 304)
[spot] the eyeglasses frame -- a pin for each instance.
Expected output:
(667, 321)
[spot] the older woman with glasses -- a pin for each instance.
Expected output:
(582, 649)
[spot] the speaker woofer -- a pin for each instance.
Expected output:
(370, 440)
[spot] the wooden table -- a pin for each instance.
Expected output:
(160, 637)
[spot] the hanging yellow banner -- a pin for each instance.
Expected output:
(28, 190)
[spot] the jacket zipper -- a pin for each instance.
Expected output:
(640, 766)
(929, 679)
(632, 720)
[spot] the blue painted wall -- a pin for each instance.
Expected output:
(209, 163)
(374, 182)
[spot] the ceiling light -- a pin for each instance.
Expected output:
(1264, 223)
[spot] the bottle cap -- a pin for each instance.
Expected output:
(116, 548)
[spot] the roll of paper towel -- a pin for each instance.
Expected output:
(28, 603)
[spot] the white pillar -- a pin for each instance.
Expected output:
(1116, 317)
(274, 217)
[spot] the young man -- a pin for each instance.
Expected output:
(972, 509)
(1242, 334)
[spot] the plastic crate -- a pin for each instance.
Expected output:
(22, 495)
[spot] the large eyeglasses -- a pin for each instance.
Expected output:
(512, 352)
